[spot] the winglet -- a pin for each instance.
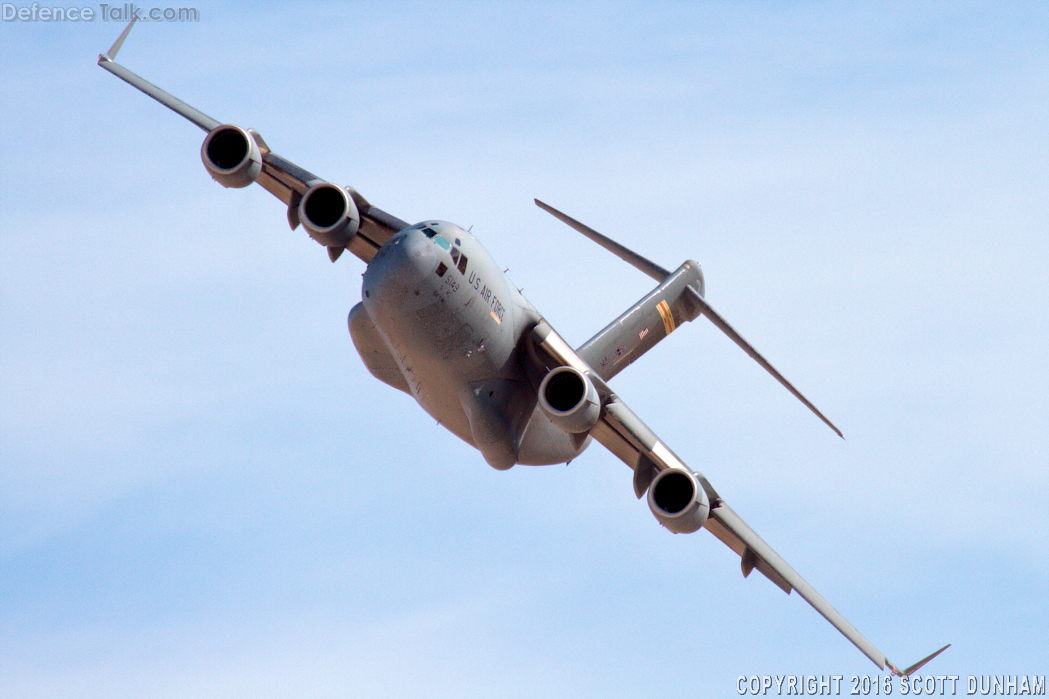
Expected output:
(112, 52)
(917, 666)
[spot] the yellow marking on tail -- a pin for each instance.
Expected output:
(667, 316)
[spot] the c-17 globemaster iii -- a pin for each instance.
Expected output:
(440, 321)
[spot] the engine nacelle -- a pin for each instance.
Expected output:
(570, 400)
(328, 214)
(678, 500)
(231, 156)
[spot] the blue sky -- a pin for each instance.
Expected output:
(203, 492)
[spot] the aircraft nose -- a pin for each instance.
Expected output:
(411, 259)
(401, 265)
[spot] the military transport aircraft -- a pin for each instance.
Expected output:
(440, 321)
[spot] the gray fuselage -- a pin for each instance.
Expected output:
(440, 321)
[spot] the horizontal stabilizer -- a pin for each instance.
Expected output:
(696, 295)
(644, 264)
(724, 326)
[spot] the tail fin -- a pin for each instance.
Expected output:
(645, 323)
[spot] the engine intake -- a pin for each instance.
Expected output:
(678, 501)
(570, 400)
(231, 156)
(329, 215)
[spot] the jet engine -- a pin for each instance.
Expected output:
(329, 215)
(678, 500)
(231, 156)
(570, 400)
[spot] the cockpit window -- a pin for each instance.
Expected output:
(462, 264)
(429, 232)
(441, 242)
(455, 255)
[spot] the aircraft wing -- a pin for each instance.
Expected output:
(623, 433)
(282, 178)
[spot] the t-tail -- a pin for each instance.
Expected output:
(674, 303)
